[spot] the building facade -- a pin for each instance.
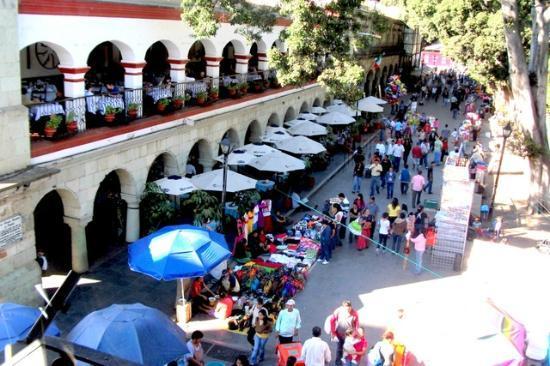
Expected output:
(76, 195)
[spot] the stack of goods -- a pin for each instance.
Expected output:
(395, 90)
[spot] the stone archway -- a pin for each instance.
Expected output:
(200, 156)
(304, 108)
(253, 133)
(274, 120)
(290, 114)
(164, 165)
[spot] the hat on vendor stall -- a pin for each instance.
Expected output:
(291, 302)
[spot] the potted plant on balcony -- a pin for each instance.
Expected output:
(162, 104)
(232, 90)
(258, 86)
(52, 125)
(266, 83)
(133, 109)
(214, 93)
(202, 96)
(110, 113)
(70, 122)
(243, 88)
(177, 102)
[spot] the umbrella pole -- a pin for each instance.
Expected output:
(181, 304)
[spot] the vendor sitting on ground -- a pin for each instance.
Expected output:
(228, 283)
(241, 246)
(280, 222)
(199, 296)
(255, 246)
(224, 306)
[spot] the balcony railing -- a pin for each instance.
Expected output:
(65, 117)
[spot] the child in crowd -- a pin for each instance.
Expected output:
(349, 347)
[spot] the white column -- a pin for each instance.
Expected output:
(241, 66)
(177, 69)
(79, 248)
(132, 217)
(213, 69)
(74, 86)
(133, 79)
(262, 62)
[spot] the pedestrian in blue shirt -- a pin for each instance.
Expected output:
(405, 179)
(390, 181)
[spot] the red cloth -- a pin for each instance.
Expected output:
(416, 152)
(228, 302)
(196, 288)
(334, 320)
(359, 346)
(263, 263)
(268, 224)
(362, 241)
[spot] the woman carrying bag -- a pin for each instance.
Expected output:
(263, 328)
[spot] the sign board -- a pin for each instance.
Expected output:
(11, 230)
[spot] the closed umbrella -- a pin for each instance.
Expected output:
(308, 116)
(374, 100)
(278, 163)
(366, 106)
(308, 128)
(342, 108)
(176, 252)
(301, 145)
(335, 118)
(175, 185)
(133, 332)
(16, 321)
(213, 181)
(275, 134)
(318, 110)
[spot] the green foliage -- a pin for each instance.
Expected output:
(163, 101)
(341, 81)
(204, 206)
(520, 143)
(251, 20)
(246, 200)
(54, 121)
(112, 110)
(155, 207)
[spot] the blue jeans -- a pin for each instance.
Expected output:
(397, 240)
(382, 241)
(419, 255)
(396, 163)
(258, 350)
(455, 113)
(374, 183)
(437, 157)
(326, 251)
(424, 161)
(389, 192)
(428, 187)
(404, 187)
(356, 183)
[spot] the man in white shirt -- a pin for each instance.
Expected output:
(398, 150)
(381, 148)
(288, 323)
(315, 351)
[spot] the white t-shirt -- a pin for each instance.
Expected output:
(398, 150)
(196, 351)
(315, 352)
(390, 149)
(381, 148)
(384, 227)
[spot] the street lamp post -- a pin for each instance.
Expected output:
(506, 132)
(226, 148)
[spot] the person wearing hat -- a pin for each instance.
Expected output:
(288, 323)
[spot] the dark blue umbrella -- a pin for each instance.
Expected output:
(16, 321)
(176, 252)
(133, 332)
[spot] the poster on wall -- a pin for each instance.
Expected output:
(11, 230)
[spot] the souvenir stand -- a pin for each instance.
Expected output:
(454, 214)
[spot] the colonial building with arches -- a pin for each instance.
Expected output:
(78, 199)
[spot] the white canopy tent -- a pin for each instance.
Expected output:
(300, 145)
(244, 154)
(344, 109)
(374, 100)
(308, 116)
(335, 118)
(213, 181)
(175, 186)
(275, 134)
(366, 106)
(308, 128)
(318, 110)
(277, 162)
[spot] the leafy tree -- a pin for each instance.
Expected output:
(156, 208)
(204, 206)
(339, 28)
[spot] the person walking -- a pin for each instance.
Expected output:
(358, 171)
(354, 213)
(407, 145)
(382, 352)
(390, 182)
(398, 230)
(315, 351)
(375, 171)
(419, 247)
(263, 328)
(345, 205)
(393, 210)
(383, 233)
(288, 323)
(386, 165)
(417, 185)
(430, 176)
(424, 147)
(366, 226)
(398, 151)
(405, 178)
(416, 153)
(438, 147)
(326, 248)
(342, 319)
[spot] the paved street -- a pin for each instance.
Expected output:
(350, 275)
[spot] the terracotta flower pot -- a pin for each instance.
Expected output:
(132, 114)
(109, 118)
(232, 92)
(201, 101)
(214, 96)
(72, 127)
(161, 107)
(49, 132)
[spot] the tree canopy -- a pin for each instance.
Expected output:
(321, 40)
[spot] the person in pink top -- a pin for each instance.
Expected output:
(417, 185)
(419, 248)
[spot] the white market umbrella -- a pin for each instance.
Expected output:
(293, 122)
(213, 181)
(277, 162)
(244, 154)
(335, 118)
(337, 101)
(308, 128)
(342, 108)
(318, 110)
(175, 187)
(365, 106)
(374, 100)
(275, 134)
(308, 116)
(300, 145)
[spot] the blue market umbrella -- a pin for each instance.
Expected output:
(16, 321)
(133, 332)
(176, 252)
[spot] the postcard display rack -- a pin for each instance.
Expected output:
(453, 216)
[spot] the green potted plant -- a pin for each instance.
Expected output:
(202, 96)
(156, 208)
(162, 104)
(232, 90)
(214, 93)
(243, 87)
(177, 102)
(52, 125)
(110, 113)
(266, 83)
(70, 122)
(133, 109)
